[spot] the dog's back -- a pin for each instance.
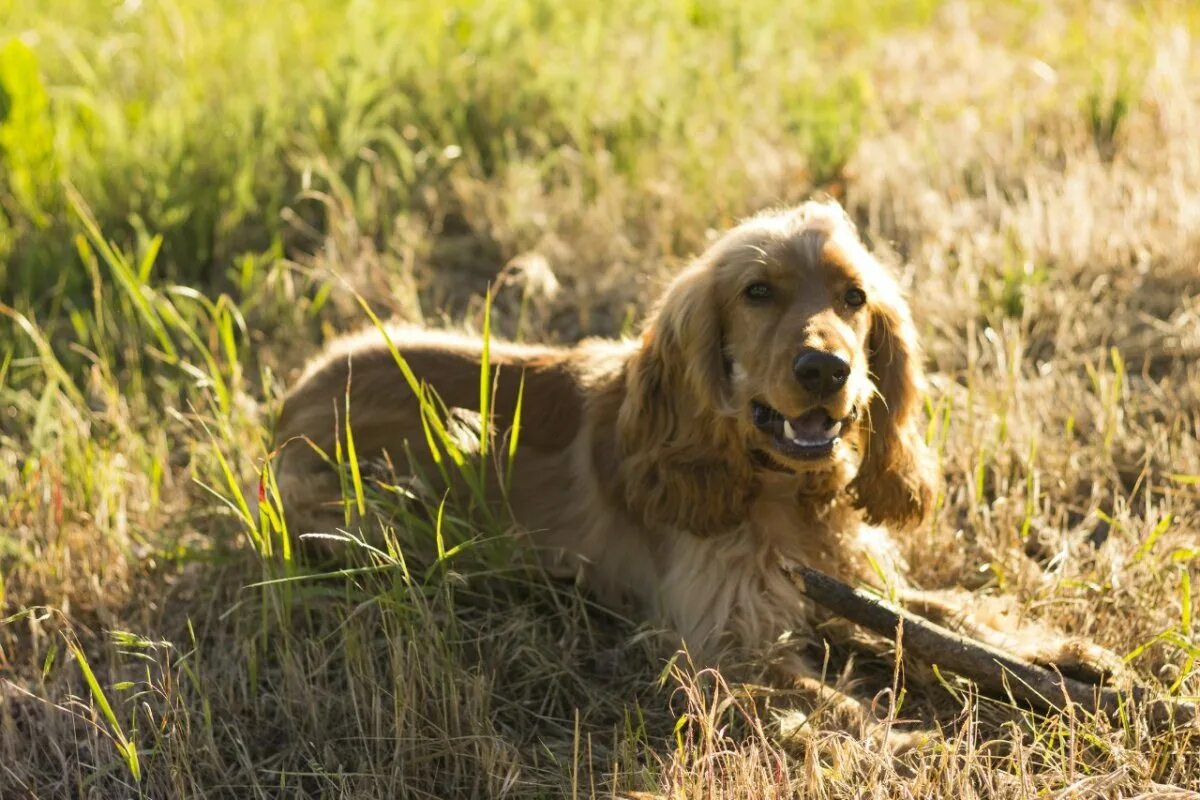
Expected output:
(384, 415)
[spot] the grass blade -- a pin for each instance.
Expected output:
(352, 452)
(485, 393)
(514, 433)
(125, 747)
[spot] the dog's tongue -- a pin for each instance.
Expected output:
(815, 427)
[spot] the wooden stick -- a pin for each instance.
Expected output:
(995, 672)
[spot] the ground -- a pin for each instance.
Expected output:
(193, 196)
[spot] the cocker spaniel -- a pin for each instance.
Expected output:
(769, 412)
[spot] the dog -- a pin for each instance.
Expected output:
(769, 413)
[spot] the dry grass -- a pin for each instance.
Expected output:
(1032, 168)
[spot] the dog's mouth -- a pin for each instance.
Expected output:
(811, 435)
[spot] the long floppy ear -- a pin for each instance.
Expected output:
(895, 482)
(682, 463)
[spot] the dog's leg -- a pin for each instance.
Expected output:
(997, 622)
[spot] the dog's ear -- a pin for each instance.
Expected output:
(895, 483)
(682, 463)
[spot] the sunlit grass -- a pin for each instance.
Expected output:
(194, 195)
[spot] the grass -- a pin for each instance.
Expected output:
(193, 196)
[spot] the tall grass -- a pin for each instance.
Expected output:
(194, 195)
(224, 129)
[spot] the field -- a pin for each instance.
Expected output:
(193, 196)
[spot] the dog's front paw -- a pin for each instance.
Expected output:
(905, 741)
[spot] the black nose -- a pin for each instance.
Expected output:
(821, 374)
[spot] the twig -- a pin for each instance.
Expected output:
(993, 670)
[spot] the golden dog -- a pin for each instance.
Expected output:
(768, 413)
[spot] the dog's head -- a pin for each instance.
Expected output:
(785, 347)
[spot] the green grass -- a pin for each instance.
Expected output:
(194, 195)
(227, 130)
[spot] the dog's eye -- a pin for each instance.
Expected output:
(855, 297)
(758, 291)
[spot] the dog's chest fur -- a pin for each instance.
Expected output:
(719, 591)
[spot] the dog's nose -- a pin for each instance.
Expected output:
(821, 374)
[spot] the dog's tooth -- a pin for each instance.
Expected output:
(835, 430)
(788, 431)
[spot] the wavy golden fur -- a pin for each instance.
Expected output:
(770, 411)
